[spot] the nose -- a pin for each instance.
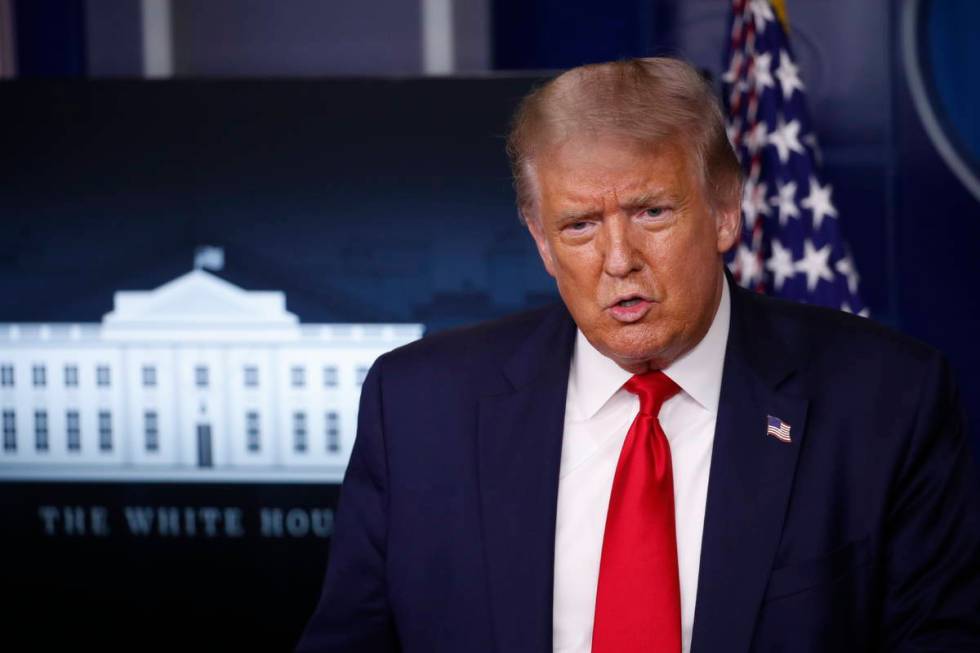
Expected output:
(620, 255)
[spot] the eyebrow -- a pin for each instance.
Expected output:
(641, 200)
(577, 214)
(646, 199)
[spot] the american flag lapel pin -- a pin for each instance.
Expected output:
(777, 428)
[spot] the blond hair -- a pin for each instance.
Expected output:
(650, 101)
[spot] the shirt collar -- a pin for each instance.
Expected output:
(594, 378)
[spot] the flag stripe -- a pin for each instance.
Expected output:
(791, 242)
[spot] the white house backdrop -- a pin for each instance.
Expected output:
(197, 380)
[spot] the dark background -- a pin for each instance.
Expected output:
(388, 199)
(364, 200)
(131, 593)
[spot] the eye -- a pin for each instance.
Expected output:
(577, 226)
(655, 215)
(578, 231)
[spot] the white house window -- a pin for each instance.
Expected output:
(41, 430)
(105, 430)
(299, 431)
(151, 430)
(9, 431)
(201, 376)
(102, 376)
(252, 430)
(297, 376)
(251, 376)
(73, 430)
(333, 431)
(134, 394)
(39, 376)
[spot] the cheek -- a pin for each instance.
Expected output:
(579, 291)
(697, 248)
(685, 269)
(577, 269)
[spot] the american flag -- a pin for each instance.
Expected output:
(791, 244)
(777, 428)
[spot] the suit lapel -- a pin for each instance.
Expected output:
(749, 483)
(519, 448)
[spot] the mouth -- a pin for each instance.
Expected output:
(630, 308)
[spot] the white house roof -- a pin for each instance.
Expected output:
(199, 298)
(204, 308)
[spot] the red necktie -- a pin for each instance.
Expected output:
(638, 605)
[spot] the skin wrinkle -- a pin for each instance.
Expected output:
(589, 150)
(694, 163)
(672, 257)
(651, 100)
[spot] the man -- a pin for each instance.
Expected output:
(666, 462)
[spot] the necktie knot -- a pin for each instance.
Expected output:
(653, 389)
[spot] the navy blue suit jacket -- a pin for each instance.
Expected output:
(862, 534)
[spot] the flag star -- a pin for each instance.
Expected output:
(762, 13)
(762, 72)
(747, 266)
(785, 138)
(788, 74)
(786, 201)
(754, 202)
(814, 264)
(819, 202)
(845, 267)
(811, 141)
(864, 312)
(757, 137)
(780, 264)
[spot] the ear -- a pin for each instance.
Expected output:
(544, 247)
(728, 226)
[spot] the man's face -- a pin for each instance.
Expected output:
(633, 244)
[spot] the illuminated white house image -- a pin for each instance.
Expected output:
(196, 380)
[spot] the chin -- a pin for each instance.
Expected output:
(632, 347)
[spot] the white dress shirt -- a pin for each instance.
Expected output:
(598, 414)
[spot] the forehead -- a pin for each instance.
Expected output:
(587, 170)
